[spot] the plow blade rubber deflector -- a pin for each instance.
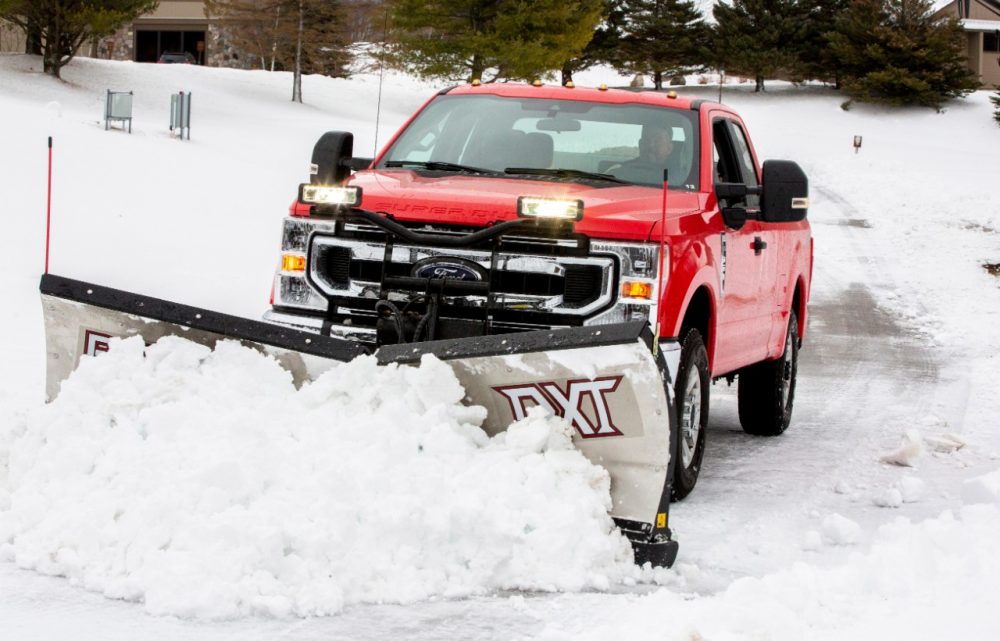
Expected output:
(604, 380)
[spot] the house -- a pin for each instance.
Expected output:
(981, 21)
(175, 25)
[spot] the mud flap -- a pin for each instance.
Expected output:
(604, 380)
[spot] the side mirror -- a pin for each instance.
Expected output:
(331, 157)
(734, 217)
(732, 191)
(785, 197)
(357, 164)
(729, 194)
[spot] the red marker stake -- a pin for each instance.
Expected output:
(48, 210)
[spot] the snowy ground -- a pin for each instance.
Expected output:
(807, 536)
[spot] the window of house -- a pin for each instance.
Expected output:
(991, 42)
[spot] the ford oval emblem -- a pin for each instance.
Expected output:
(450, 268)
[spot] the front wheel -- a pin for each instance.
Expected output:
(691, 397)
(767, 390)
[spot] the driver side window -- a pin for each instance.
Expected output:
(733, 162)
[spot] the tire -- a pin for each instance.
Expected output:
(691, 395)
(767, 390)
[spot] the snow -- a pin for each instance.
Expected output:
(982, 489)
(840, 530)
(782, 539)
(203, 484)
(912, 583)
(910, 450)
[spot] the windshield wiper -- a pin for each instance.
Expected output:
(439, 165)
(565, 173)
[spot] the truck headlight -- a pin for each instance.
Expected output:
(323, 195)
(549, 208)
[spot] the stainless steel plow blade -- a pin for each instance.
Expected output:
(604, 380)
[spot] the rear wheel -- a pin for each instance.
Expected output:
(767, 390)
(691, 396)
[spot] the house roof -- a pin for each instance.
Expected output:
(940, 5)
(980, 25)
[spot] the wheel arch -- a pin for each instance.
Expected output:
(799, 305)
(699, 313)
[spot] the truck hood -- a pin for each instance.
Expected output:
(623, 212)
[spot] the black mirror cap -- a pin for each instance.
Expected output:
(330, 158)
(785, 197)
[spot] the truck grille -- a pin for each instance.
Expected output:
(344, 268)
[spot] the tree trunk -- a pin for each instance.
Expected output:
(52, 51)
(274, 42)
(760, 84)
(658, 80)
(297, 74)
(477, 68)
(567, 73)
(33, 38)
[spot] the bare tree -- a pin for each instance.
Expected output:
(301, 36)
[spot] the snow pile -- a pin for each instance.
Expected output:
(936, 579)
(204, 484)
(910, 450)
(908, 489)
(982, 489)
(840, 530)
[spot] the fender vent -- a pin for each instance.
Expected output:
(338, 266)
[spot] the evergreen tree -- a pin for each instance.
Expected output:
(895, 52)
(816, 56)
(506, 38)
(58, 28)
(760, 38)
(605, 44)
(664, 38)
(996, 101)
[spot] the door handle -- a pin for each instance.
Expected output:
(758, 245)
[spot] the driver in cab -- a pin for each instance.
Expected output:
(656, 151)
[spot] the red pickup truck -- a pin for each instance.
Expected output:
(652, 207)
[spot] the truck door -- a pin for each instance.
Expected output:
(743, 327)
(768, 252)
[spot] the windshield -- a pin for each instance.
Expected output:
(628, 143)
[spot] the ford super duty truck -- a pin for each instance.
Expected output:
(503, 209)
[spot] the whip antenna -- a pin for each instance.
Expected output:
(381, 75)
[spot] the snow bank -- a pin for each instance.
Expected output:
(936, 579)
(205, 485)
(982, 489)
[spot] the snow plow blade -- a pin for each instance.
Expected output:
(604, 380)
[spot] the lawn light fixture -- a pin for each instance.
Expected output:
(324, 195)
(857, 143)
(549, 208)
